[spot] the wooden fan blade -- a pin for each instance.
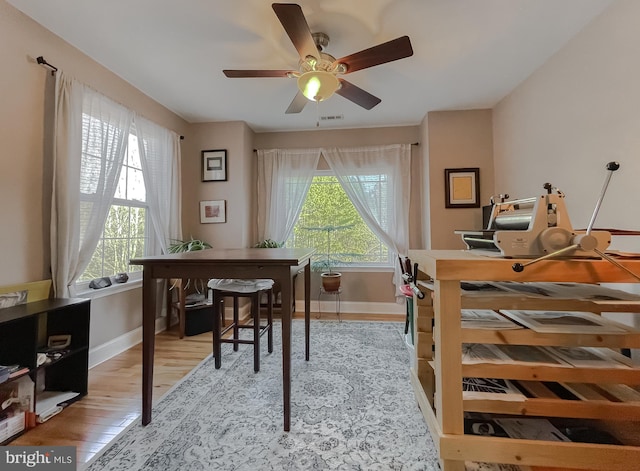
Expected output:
(357, 95)
(386, 52)
(295, 24)
(297, 104)
(256, 73)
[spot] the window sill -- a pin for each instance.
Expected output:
(356, 269)
(115, 288)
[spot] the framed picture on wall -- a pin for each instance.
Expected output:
(213, 211)
(214, 165)
(462, 187)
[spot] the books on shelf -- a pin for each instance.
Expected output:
(486, 319)
(568, 322)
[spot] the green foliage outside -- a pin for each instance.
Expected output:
(123, 239)
(330, 223)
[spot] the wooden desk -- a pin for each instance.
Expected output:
(224, 263)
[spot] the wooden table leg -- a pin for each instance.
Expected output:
(148, 343)
(286, 347)
(307, 308)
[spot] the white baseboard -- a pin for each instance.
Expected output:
(118, 345)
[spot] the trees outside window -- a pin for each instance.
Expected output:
(124, 234)
(327, 205)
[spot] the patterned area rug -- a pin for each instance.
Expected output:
(352, 408)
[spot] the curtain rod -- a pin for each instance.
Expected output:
(413, 144)
(40, 60)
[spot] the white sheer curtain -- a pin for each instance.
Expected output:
(80, 205)
(354, 167)
(160, 158)
(284, 178)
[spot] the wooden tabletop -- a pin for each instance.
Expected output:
(272, 255)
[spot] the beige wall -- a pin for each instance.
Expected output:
(457, 139)
(236, 138)
(26, 96)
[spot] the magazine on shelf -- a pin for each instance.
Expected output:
(482, 353)
(568, 322)
(585, 291)
(527, 428)
(530, 355)
(486, 319)
(531, 429)
(480, 466)
(522, 354)
(591, 357)
(477, 388)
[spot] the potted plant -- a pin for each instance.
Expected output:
(331, 279)
(178, 246)
(191, 245)
(268, 244)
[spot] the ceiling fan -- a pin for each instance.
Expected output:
(318, 72)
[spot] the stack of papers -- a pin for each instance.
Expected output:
(49, 403)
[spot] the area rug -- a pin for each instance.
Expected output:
(352, 408)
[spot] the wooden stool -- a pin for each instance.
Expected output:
(237, 288)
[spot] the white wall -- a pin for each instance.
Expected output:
(577, 112)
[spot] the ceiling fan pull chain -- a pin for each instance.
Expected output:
(317, 114)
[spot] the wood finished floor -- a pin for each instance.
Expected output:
(115, 387)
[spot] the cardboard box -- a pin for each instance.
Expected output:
(12, 426)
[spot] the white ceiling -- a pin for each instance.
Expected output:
(468, 54)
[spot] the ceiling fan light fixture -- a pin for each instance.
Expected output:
(318, 85)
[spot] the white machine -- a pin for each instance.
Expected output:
(539, 228)
(534, 227)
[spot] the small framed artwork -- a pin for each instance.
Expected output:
(462, 187)
(214, 165)
(213, 211)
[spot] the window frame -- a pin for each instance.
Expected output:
(82, 286)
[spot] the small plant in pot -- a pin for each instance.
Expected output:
(331, 279)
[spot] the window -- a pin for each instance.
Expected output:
(330, 223)
(124, 234)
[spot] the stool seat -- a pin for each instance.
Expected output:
(241, 288)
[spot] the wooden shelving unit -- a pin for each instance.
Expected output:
(607, 395)
(24, 332)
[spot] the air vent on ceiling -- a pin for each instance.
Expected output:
(332, 117)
